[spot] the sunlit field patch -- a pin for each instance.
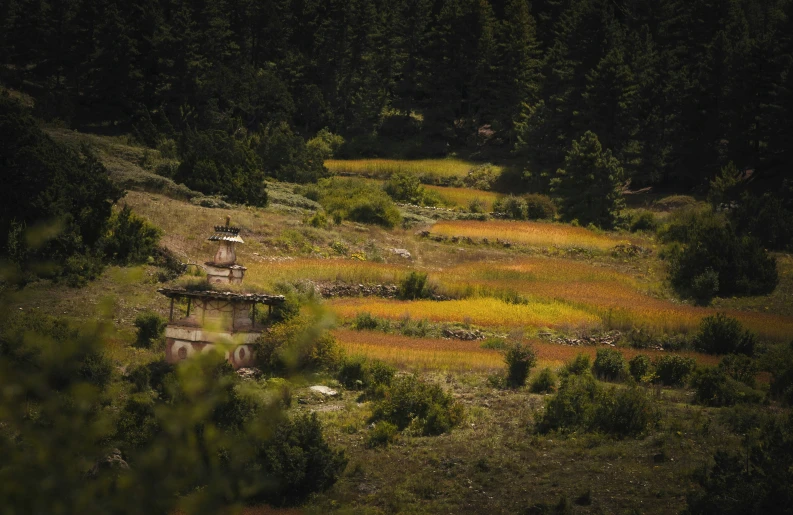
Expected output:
(462, 197)
(528, 233)
(457, 197)
(384, 168)
(444, 354)
(483, 311)
(561, 293)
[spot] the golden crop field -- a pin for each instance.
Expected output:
(445, 354)
(565, 293)
(528, 233)
(455, 197)
(462, 197)
(384, 168)
(482, 311)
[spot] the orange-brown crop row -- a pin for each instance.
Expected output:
(465, 355)
(539, 234)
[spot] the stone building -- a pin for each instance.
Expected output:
(214, 315)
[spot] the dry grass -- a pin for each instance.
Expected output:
(384, 168)
(351, 271)
(529, 233)
(429, 353)
(483, 311)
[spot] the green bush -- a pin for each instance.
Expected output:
(741, 368)
(573, 405)
(405, 187)
(578, 365)
(56, 201)
(494, 343)
(151, 328)
(371, 376)
(298, 344)
(625, 411)
(756, 479)
(325, 143)
(721, 334)
(641, 368)
(713, 387)
(741, 264)
(539, 207)
(609, 365)
(476, 206)
(414, 286)
(364, 321)
(705, 286)
(519, 358)
(671, 370)
(765, 217)
(215, 162)
(642, 220)
(426, 407)
(780, 364)
(543, 382)
(136, 424)
(358, 201)
(382, 434)
(510, 207)
(286, 156)
(582, 405)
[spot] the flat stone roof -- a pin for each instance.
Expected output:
(261, 298)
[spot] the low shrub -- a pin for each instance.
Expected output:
(577, 366)
(642, 220)
(510, 207)
(609, 365)
(713, 387)
(641, 368)
(741, 368)
(382, 434)
(426, 407)
(539, 207)
(543, 382)
(721, 334)
(673, 370)
(519, 358)
(494, 343)
(414, 286)
(740, 262)
(625, 411)
(582, 405)
(780, 364)
(364, 321)
(573, 405)
(130, 238)
(370, 376)
(357, 201)
(151, 328)
(297, 344)
(476, 206)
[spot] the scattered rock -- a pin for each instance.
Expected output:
(630, 250)
(610, 339)
(330, 290)
(324, 390)
(401, 253)
(251, 373)
(113, 463)
(463, 334)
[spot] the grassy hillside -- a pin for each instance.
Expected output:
(551, 282)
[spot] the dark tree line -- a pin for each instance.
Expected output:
(675, 89)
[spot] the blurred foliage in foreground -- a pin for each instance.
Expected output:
(76, 438)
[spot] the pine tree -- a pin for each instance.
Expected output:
(609, 107)
(589, 187)
(519, 77)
